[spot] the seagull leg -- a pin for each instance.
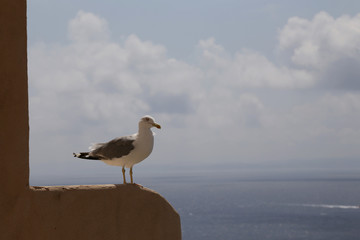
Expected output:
(131, 175)
(123, 172)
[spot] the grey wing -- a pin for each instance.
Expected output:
(116, 148)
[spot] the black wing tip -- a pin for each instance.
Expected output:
(85, 155)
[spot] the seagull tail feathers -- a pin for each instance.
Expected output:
(85, 155)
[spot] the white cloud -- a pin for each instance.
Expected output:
(318, 42)
(217, 109)
(323, 43)
(249, 69)
(87, 27)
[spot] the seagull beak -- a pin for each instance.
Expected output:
(156, 125)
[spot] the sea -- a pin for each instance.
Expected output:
(258, 205)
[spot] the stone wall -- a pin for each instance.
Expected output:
(63, 212)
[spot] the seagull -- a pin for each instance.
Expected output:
(125, 151)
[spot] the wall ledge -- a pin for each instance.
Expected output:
(88, 187)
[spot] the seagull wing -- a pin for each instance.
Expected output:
(116, 148)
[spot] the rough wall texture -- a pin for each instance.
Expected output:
(93, 212)
(67, 212)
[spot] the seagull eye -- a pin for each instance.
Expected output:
(147, 119)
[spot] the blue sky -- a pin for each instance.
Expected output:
(180, 24)
(235, 84)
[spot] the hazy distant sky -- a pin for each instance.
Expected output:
(233, 83)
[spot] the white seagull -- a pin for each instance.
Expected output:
(125, 151)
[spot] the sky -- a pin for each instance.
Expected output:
(234, 84)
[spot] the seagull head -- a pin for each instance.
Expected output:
(149, 122)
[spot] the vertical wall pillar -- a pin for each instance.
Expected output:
(14, 127)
